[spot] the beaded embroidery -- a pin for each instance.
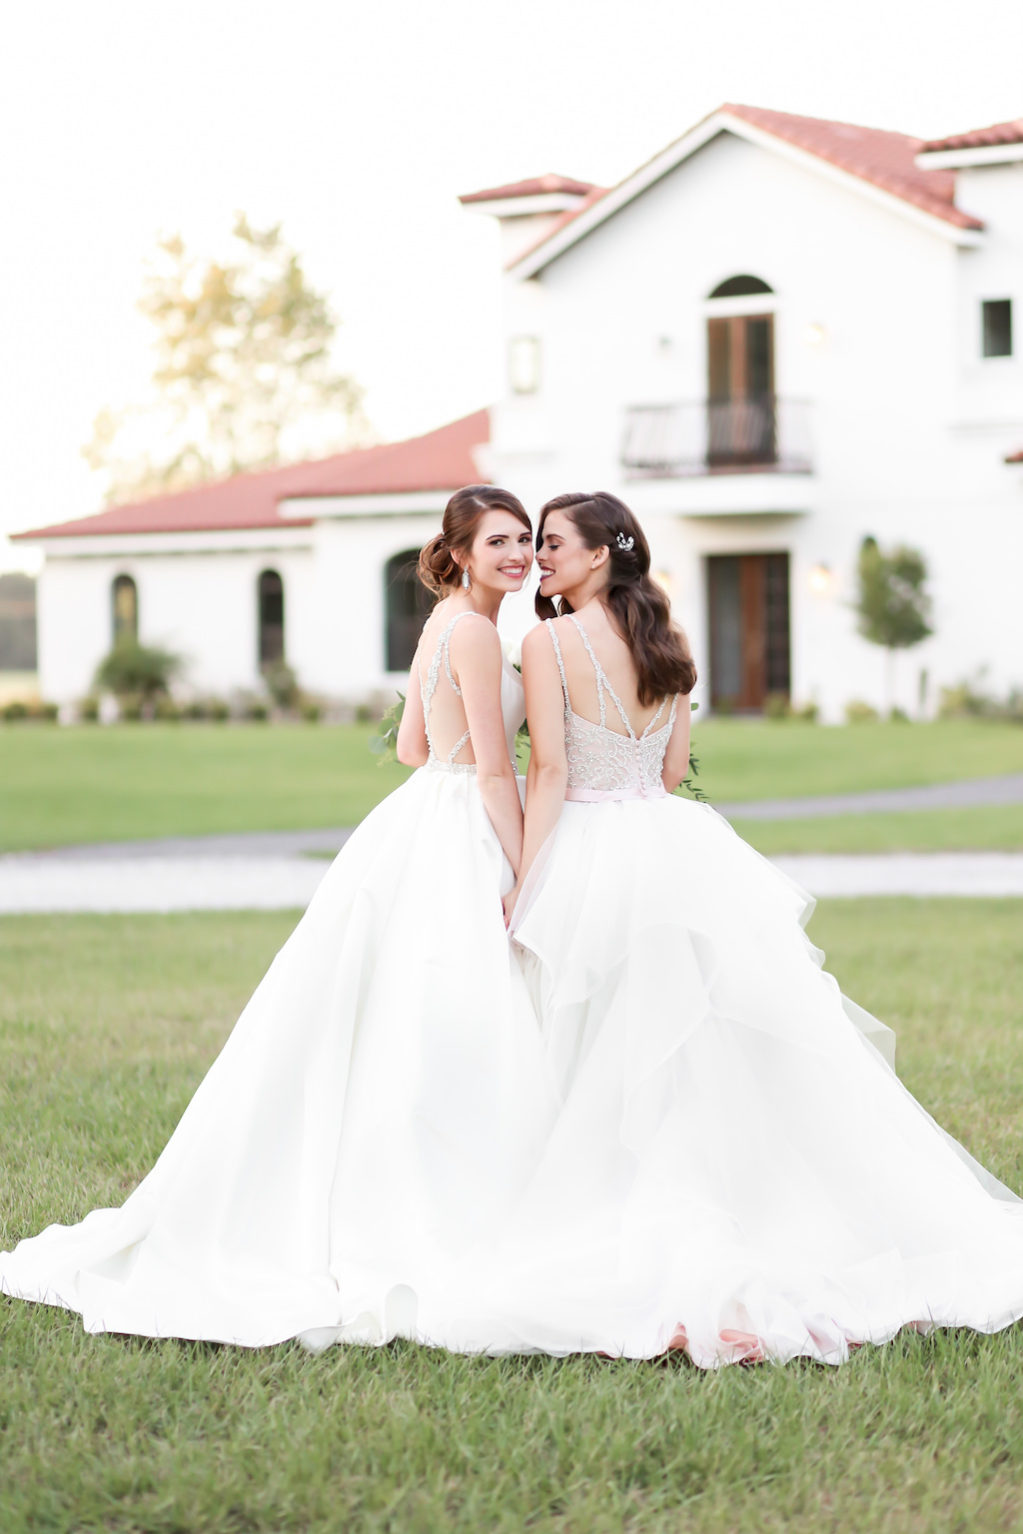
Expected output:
(602, 759)
(427, 690)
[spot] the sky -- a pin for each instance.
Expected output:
(357, 126)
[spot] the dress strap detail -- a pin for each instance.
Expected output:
(429, 687)
(604, 686)
(549, 626)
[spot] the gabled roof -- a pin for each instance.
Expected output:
(535, 186)
(978, 138)
(885, 159)
(882, 158)
(440, 460)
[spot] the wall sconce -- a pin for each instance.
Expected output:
(821, 579)
(524, 364)
(816, 334)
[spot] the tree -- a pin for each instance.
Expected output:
(893, 608)
(243, 375)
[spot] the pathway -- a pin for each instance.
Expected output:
(279, 870)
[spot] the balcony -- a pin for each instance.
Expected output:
(706, 437)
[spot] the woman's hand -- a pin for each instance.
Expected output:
(509, 902)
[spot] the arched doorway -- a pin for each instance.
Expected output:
(741, 416)
(406, 604)
(270, 604)
(124, 608)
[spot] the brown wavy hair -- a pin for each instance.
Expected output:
(438, 569)
(639, 608)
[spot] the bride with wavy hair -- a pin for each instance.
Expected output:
(735, 1169)
(358, 1135)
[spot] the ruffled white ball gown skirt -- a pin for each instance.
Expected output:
(735, 1168)
(364, 1128)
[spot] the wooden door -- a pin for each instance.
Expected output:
(748, 607)
(740, 390)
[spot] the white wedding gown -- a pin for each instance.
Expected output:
(736, 1169)
(362, 1129)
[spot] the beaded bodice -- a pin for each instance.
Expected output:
(603, 762)
(512, 701)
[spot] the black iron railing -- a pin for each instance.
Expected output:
(717, 437)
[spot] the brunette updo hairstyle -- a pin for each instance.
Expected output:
(438, 569)
(640, 609)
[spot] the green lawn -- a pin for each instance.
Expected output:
(106, 1024)
(994, 828)
(86, 784)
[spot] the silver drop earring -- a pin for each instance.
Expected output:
(466, 582)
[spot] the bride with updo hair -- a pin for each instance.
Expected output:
(362, 1130)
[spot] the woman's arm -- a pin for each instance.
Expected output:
(547, 776)
(411, 747)
(676, 757)
(476, 659)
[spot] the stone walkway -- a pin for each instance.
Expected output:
(969, 794)
(279, 870)
(133, 879)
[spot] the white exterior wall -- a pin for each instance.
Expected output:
(890, 382)
(197, 596)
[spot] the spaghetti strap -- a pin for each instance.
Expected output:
(549, 626)
(603, 685)
(429, 687)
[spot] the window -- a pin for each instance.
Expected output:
(740, 287)
(996, 327)
(124, 601)
(524, 364)
(406, 604)
(270, 598)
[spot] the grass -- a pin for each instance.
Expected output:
(106, 1024)
(85, 784)
(89, 784)
(987, 828)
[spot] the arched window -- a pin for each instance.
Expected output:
(124, 606)
(740, 287)
(406, 604)
(741, 411)
(271, 618)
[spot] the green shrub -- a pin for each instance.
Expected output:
(281, 684)
(14, 711)
(256, 710)
(859, 712)
(777, 705)
(968, 700)
(135, 670)
(167, 710)
(43, 713)
(129, 708)
(809, 713)
(88, 709)
(217, 710)
(311, 710)
(898, 715)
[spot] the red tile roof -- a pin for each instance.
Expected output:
(1015, 457)
(885, 159)
(440, 460)
(536, 186)
(979, 138)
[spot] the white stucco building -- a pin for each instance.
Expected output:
(776, 337)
